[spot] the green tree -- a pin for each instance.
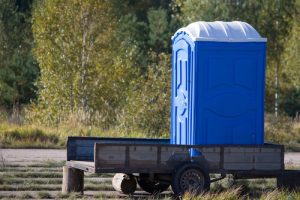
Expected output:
(147, 107)
(18, 69)
(140, 8)
(131, 37)
(148, 102)
(272, 19)
(75, 45)
(159, 33)
(290, 74)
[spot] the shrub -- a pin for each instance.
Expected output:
(147, 107)
(280, 129)
(24, 136)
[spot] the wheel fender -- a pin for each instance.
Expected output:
(200, 163)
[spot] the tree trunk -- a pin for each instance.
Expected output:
(71, 93)
(83, 70)
(15, 117)
(276, 87)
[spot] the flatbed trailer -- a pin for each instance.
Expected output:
(155, 164)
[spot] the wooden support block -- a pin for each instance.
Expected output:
(72, 180)
(124, 183)
(289, 180)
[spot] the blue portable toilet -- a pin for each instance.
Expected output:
(218, 78)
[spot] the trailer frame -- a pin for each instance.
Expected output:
(159, 158)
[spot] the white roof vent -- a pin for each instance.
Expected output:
(235, 31)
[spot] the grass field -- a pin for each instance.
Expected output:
(32, 136)
(43, 181)
(282, 130)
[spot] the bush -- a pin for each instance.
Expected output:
(290, 102)
(147, 107)
(281, 129)
(26, 137)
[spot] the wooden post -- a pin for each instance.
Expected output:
(289, 180)
(72, 180)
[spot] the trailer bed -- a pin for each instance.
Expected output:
(158, 156)
(87, 166)
(82, 148)
(161, 164)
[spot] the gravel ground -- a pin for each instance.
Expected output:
(292, 159)
(31, 156)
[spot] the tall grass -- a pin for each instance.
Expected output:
(38, 136)
(26, 136)
(282, 130)
(237, 194)
(231, 194)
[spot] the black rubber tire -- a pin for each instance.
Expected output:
(150, 186)
(190, 178)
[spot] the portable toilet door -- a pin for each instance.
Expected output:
(218, 84)
(182, 67)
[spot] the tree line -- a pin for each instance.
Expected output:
(108, 64)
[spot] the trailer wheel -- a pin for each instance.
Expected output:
(190, 178)
(151, 186)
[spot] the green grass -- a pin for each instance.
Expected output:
(231, 194)
(27, 137)
(91, 181)
(26, 196)
(44, 195)
(75, 196)
(32, 136)
(11, 196)
(61, 195)
(33, 187)
(238, 194)
(32, 181)
(47, 164)
(52, 187)
(44, 164)
(282, 130)
(39, 182)
(98, 186)
(31, 174)
(43, 188)
(29, 169)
